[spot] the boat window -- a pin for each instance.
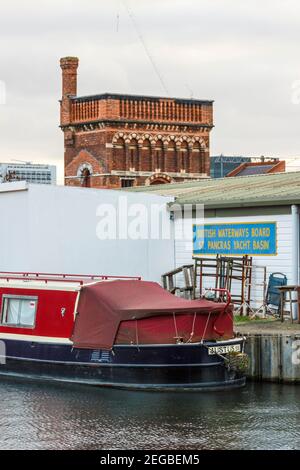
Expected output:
(19, 311)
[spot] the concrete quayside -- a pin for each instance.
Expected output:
(273, 349)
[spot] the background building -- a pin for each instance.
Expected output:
(29, 172)
(258, 168)
(115, 140)
(221, 165)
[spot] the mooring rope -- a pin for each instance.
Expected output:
(193, 328)
(206, 325)
(137, 335)
(175, 325)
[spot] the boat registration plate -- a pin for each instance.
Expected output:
(224, 349)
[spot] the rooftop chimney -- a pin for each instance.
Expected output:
(69, 66)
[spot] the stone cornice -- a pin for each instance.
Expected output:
(130, 124)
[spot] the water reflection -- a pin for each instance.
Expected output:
(43, 416)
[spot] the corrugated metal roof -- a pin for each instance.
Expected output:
(246, 191)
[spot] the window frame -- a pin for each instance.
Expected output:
(127, 180)
(4, 310)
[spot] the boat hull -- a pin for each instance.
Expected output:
(149, 367)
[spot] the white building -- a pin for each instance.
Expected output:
(29, 172)
(271, 200)
(57, 229)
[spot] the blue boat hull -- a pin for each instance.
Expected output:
(147, 367)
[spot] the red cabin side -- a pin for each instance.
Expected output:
(54, 312)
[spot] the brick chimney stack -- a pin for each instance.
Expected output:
(69, 66)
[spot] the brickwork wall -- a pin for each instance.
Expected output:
(120, 133)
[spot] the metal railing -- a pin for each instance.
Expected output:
(57, 277)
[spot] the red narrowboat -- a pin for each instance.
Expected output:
(115, 332)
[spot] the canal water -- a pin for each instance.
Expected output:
(43, 416)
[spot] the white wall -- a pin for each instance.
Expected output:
(280, 263)
(53, 229)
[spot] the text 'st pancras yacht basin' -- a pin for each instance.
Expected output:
(118, 332)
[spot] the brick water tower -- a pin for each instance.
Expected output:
(117, 140)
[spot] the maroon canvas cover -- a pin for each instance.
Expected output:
(102, 306)
(186, 328)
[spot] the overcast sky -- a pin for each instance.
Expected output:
(244, 54)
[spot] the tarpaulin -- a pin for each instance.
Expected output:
(165, 329)
(102, 306)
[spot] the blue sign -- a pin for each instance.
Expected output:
(235, 239)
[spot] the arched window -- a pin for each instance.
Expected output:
(86, 178)
(84, 172)
(146, 164)
(159, 180)
(119, 155)
(196, 158)
(159, 155)
(184, 157)
(133, 155)
(171, 158)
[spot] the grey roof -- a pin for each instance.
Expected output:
(255, 170)
(239, 191)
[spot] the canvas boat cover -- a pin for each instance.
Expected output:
(103, 306)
